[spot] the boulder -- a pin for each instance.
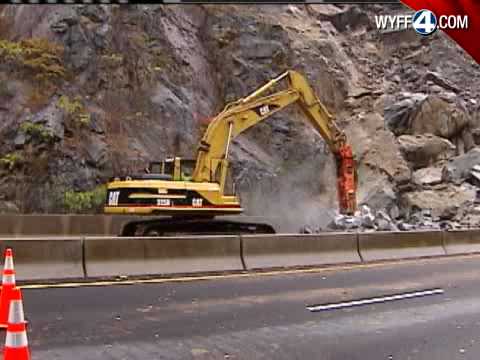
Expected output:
(464, 209)
(96, 13)
(350, 18)
(78, 50)
(343, 222)
(448, 212)
(376, 150)
(428, 176)
(459, 168)
(52, 119)
(20, 140)
(404, 226)
(476, 136)
(424, 150)
(439, 201)
(96, 150)
(439, 117)
(423, 220)
(470, 219)
(382, 198)
(255, 49)
(368, 219)
(60, 21)
(421, 114)
(383, 222)
(397, 115)
(440, 81)
(475, 176)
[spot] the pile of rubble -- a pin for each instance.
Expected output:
(365, 219)
(466, 216)
(442, 190)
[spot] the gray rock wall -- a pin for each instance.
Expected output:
(141, 80)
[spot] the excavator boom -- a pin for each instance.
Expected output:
(258, 106)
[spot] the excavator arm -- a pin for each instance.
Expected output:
(212, 157)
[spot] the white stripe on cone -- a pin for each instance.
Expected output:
(16, 339)
(15, 314)
(8, 279)
(8, 263)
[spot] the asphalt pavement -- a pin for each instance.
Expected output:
(265, 316)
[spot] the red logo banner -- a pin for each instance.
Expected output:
(468, 39)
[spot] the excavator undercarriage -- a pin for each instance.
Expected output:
(178, 226)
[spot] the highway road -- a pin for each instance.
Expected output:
(265, 316)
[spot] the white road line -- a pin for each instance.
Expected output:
(375, 300)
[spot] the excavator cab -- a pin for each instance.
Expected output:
(175, 168)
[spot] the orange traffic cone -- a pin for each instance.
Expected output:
(8, 285)
(16, 343)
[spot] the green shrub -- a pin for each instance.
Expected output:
(36, 131)
(37, 57)
(70, 106)
(85, 201)
(38, 61)
(11, 160)
(74, 110)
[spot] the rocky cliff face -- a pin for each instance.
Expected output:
(91, 91)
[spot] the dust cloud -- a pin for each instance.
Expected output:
(302, 195)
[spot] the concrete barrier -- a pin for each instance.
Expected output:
(33, 225)
(462, 241)
(63, 225)
(269, 251)
(88, 225)
(156, 256)
(9, 224)
(46, 258)
(399, 245)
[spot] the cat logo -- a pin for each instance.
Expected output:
(264, 110)
(197, 202)
(113, 198)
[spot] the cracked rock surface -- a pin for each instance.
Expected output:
(141, 80)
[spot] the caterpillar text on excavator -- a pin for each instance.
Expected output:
(193, 192)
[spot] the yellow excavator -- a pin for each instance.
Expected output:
(192, 192)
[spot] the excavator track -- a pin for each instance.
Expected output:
(193, 226)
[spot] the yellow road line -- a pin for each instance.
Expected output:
(241, 275)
